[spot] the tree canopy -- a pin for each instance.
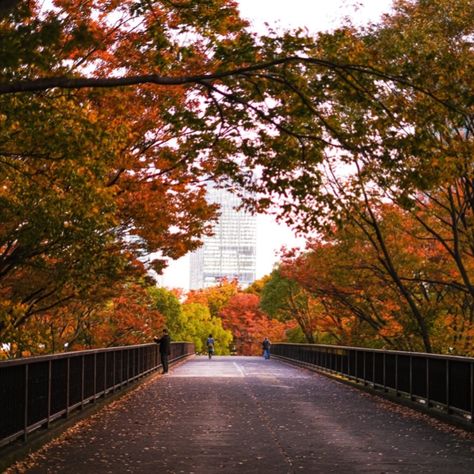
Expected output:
(114, 114)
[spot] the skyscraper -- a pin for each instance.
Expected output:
(231, 252)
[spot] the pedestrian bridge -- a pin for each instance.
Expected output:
(250, 415)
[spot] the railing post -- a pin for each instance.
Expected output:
(25, 411)
(105, 374)
(356, 359)
(113, 370)
(364, 362)
(410, 372)
(128, 366)
(448, 381)
(50, 372)
(138, 362)
(373, 369)
(68, 369)
(82, 380)
(384, 372)
(121, 366)
(472, 391)
(135, 358)
(95, 378)
(427, 381)
(396, 375)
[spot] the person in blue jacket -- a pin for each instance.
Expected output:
(210, 346)
(266, 348)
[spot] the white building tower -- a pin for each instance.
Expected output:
(231, 252)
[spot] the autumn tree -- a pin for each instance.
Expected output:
(129, 318)
(106, 317)
(364, 306)
(406, 142)
(214, 297)
(167, 303)
(199, 324)
(257, 286)
(284, 300)
(249, 325)
(72, 215)
(226, 103)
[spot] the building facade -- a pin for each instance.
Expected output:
(231, 252)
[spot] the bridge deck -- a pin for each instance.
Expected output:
(248, 415)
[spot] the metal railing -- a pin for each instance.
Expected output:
(435, 381)
(38, 390)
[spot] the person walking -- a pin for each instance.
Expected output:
(165, 349)
(210, 346)
(266, 348)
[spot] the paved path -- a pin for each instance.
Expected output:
(248, 415)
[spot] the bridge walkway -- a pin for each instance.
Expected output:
(249, 415)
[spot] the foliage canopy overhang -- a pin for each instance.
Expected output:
(274, 113)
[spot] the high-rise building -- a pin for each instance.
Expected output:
(231, 252)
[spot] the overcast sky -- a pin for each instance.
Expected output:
(315, 15)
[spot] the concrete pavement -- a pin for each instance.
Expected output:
(249, 415)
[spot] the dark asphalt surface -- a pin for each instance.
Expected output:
(248, 415)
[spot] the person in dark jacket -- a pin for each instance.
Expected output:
(165, 349)
(266, 348)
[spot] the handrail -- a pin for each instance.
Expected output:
(65, 355)
(435, 381)
(381, 351)
(35, 391)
